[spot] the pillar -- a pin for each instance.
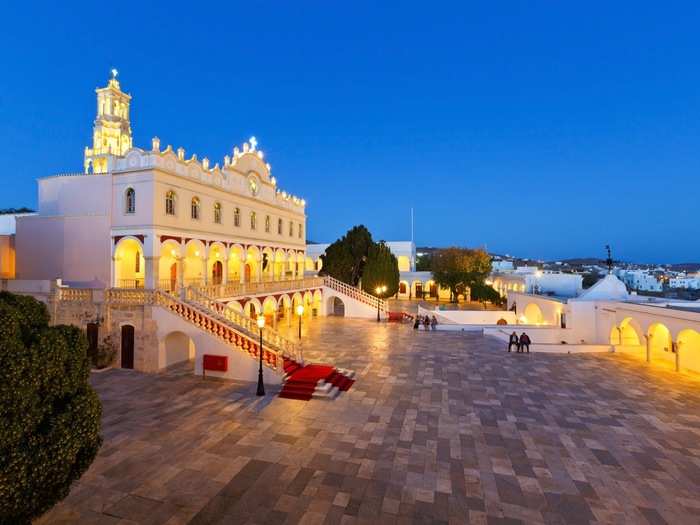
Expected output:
(677, 347)
(224, 272)
(205, 277)
(648, 341)
(260, 269)
(151, 272)
(114, 272)
(271, 268)
(180, 272)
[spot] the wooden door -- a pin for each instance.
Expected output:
(127, 346)
(217, 272)
(173, 276)
(247, 273)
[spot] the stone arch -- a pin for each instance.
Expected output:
(268, 255)
(252, 264)
(335, 306)
(168, 268)
(269, 310)
(317, 303)
(309, 264)
(297, 299)
(403, 288)
(253, 308)
(660, 340)
(280, 264)
(236, 260)
(533, 314)
(236, 307)
(178, 347)
(308, 301)
(129, 263)
(195, 262)
(216, 258)
(689, 349)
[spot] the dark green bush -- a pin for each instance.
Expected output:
(50, 430)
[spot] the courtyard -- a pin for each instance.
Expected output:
(438, 428)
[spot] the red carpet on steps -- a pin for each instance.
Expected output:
(301, 380)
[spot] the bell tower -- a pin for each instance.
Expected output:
(111, 134)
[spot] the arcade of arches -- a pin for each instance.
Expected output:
(180, 263)
(658, 342)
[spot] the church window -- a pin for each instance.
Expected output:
(301, 229)
(279, 226)
(130, 201)
(253, 220)
(237, 217)
(217, 213)
(267, 224)
(170, 203)
(291, 229)
(195, 208)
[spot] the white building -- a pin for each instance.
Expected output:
(157, 218)
(687, 282)
(639, 280)
(529, 279)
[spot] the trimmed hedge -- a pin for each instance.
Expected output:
(50, 415)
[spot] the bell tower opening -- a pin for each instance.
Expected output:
(111, 134)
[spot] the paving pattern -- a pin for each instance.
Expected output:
(438, 428)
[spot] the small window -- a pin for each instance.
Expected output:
(301, 230)
(279, 226)
(217, 213)
(291, 229)
(170, 203)
(195, 208)
(137, 263)
(267, 224)
(130, 201)
(253, 220)
(237, 217)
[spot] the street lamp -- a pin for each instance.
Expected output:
(300, 312)
(380, 290)
(261, 386)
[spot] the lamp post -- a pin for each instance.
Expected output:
(261, 386)
(300, 312)
(380, 290)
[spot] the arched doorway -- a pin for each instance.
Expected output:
(533, 314)
(336, 306)
(660, 341)
(92, 337)
(173, 276)
(178, 348)
(129, 264)
(217, 272)
(248, 272)
(127, 347)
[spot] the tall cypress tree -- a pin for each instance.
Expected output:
(381, 269)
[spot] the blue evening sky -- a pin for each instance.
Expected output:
(541, 129)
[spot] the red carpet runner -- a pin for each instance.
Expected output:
(302, 380)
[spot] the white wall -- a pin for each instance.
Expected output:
(478, 317)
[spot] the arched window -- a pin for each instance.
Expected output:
(170, 203)
(130, 204)
(237, 217)
(291, 229)
(195, 208)
(301, 230)
(253, 220)
(217, 212)
(279, 226)
(267, 224)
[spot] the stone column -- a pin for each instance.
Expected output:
(205, 277)
(151, 272)
(271, 267)
(113, 272)
(224, 273)
(260, 269)
(180, 261)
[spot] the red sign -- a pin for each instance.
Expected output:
(218, 363)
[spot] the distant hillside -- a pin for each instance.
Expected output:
(685, 267)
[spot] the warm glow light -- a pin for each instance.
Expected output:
(261, 322)
(300, 310)
(172, 252)
(196, 253)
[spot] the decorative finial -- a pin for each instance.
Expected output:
(609, 260)
(253, 143)
(114, 73)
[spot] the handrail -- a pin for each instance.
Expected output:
(222, 311)
(236, 289)
(355, 293)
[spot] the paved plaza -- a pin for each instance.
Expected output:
(438, 428)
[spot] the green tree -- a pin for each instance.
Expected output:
(346, 257)
(50, 431)
(456, 268)
(484, 293)
(424, 263)
(381, 269)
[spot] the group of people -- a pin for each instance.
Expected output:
(428, 322)
(521, 343)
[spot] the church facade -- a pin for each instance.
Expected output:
(155, 218)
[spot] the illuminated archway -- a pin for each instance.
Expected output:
(194, 262)
(253, 308)
(269, 309)
(215, 262)
(404, 263)
(659, 338)
(236, 259)
(251, 269)
(168, 265)
(689, 349)
(533, 314)
(129, 264)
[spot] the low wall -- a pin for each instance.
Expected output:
(469, 317)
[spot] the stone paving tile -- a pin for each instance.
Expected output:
(438, 428)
